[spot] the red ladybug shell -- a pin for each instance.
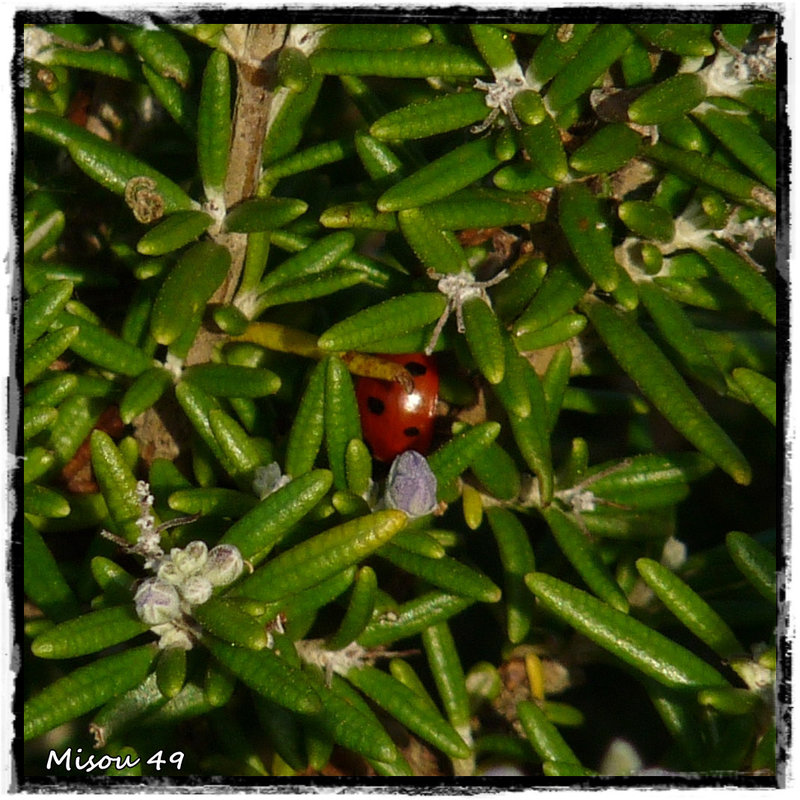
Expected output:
(393, 420)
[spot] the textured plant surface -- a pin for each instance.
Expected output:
(226, 228)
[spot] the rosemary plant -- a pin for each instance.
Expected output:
(227, 228)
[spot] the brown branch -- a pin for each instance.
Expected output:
(255, 71)
(255, 46)
(162, 430)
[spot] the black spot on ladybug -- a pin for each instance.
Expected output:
(411, 432)
(415, 368)
(376, 405)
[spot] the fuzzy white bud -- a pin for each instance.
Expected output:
(157, 601)
(224, 565)
(196, 590)
(168, 572)
(191, 559)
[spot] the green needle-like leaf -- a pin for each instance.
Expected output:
(413, 617)
(214, 123)
(448, 674)
(89, 633)
(188, 287)
(444, 572)
(668, 99)
(544, 737)
(760, 390)
(403, 704)
(516, 555)
(43, 581)
(630, 640)
(322, 556)
(589, 234)
(174, 232)
(410, 62)
(103, 161)
(751, 285)
(485, 339)
(117, 484)
(450, 460)
(268, 674)
(663, 386)
(260, 529)
(393, 317)
(342, 423)
(359, 610)
(584, 557)
(689, 608)
(755, 562)
(438, 115)
(350, 722)
(86, 688)
(437, 180)
(42, 308)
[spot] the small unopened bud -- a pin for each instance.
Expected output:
(196, 590)
(224, 565)
(191, 559)
(269, 479)
(173, 636)
(168, 572)
(157, 601)
(411, 486)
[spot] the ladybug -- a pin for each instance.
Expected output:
(394, 420)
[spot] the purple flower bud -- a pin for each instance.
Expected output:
(196, 590)
(224, 565)
(157, 601)
(411, 486)
(269, 479)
